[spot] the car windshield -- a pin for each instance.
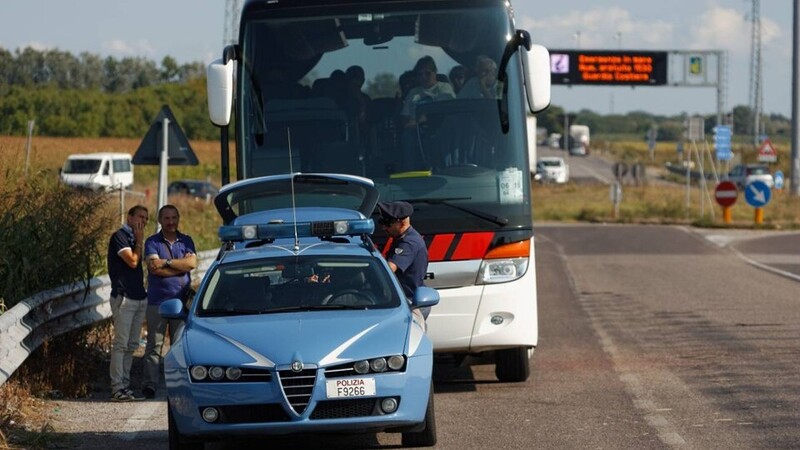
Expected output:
(759, 170)
(307, 283)
(550, 163)
(82, 166)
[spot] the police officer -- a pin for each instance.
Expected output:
(407, 256)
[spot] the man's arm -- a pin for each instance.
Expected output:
(133, 256)
(159, 267)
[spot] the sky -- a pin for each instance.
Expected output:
(192, 30)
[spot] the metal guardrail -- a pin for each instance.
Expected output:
(24, 327)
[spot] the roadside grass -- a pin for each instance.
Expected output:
(663, 204)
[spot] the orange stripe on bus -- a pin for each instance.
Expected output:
(472, 246)
(439, 246)
(514, 250)
(386, 247)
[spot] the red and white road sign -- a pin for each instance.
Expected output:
(726, 193)
(767, 152)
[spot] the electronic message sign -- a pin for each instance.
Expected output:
(613, 67)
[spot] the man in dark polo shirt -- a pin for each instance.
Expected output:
(171, 256)
(407, 256)
(128, 299)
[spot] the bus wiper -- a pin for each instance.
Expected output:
(475, 212)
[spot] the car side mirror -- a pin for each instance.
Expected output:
(172, 309)
(425, 297)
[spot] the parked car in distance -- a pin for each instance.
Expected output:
(553, 169)
(194, 188)
(744, 174)
(578, 149)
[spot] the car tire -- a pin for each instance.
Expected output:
(512, 365)
(176, 440)
(427, 436)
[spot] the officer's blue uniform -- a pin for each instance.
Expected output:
(408, 252)
(410, 255)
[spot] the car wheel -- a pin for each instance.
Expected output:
(176, 441)
(512, 365)
(427, 436)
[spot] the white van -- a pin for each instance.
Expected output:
(98, 171)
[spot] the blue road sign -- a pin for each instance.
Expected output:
(757, 194)
(722, 142)
(778, 177)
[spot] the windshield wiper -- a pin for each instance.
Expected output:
(314, 308)
(498, 220)
(229, 312)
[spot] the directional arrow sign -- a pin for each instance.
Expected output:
(778, 179)
(757, 194)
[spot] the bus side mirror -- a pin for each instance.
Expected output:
(219, 85)
(537, 77)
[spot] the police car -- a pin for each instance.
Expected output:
(299, 324)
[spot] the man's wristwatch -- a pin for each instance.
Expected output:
(168, 263)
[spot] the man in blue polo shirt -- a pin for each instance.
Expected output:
(171, 256)
(128, 299)
(407, 255)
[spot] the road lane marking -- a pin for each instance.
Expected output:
(139, 419)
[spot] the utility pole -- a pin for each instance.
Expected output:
(756, 94)
(795, 180)
(233, 11)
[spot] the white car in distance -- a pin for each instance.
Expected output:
(553, 169)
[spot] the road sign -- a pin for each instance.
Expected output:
(757, 194)
(767, 152)
(722, 142)
(778, 177)
(726, 193)
(179, 151)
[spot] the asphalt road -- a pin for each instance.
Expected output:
(650, 337)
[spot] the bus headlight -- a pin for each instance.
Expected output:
(502, 270)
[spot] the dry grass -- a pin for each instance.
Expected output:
(656, 204)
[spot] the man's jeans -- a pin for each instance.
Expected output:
(128, 316)
(156, 327)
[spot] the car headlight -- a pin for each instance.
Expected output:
(216, 373)
(199, 373)
(233, 373)
(502, 270)
(378, 365)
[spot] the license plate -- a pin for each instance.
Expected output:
(350, 387)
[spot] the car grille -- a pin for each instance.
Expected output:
(341, 409)
(264, 413)
(297, 386)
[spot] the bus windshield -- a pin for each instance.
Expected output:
(407, 98)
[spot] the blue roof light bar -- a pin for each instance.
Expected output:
(240, 233)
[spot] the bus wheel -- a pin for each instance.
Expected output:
(512, 365)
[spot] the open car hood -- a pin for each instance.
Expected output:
(310, 190)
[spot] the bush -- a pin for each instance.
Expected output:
(50, 234)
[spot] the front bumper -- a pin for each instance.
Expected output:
(263, 408)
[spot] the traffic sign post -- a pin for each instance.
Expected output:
(757, 194)
(779, 180)
(726, 194)
(722, 142)
(767, 152)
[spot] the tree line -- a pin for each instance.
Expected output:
(91, 96)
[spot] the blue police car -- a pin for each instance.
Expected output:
(299, 324)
